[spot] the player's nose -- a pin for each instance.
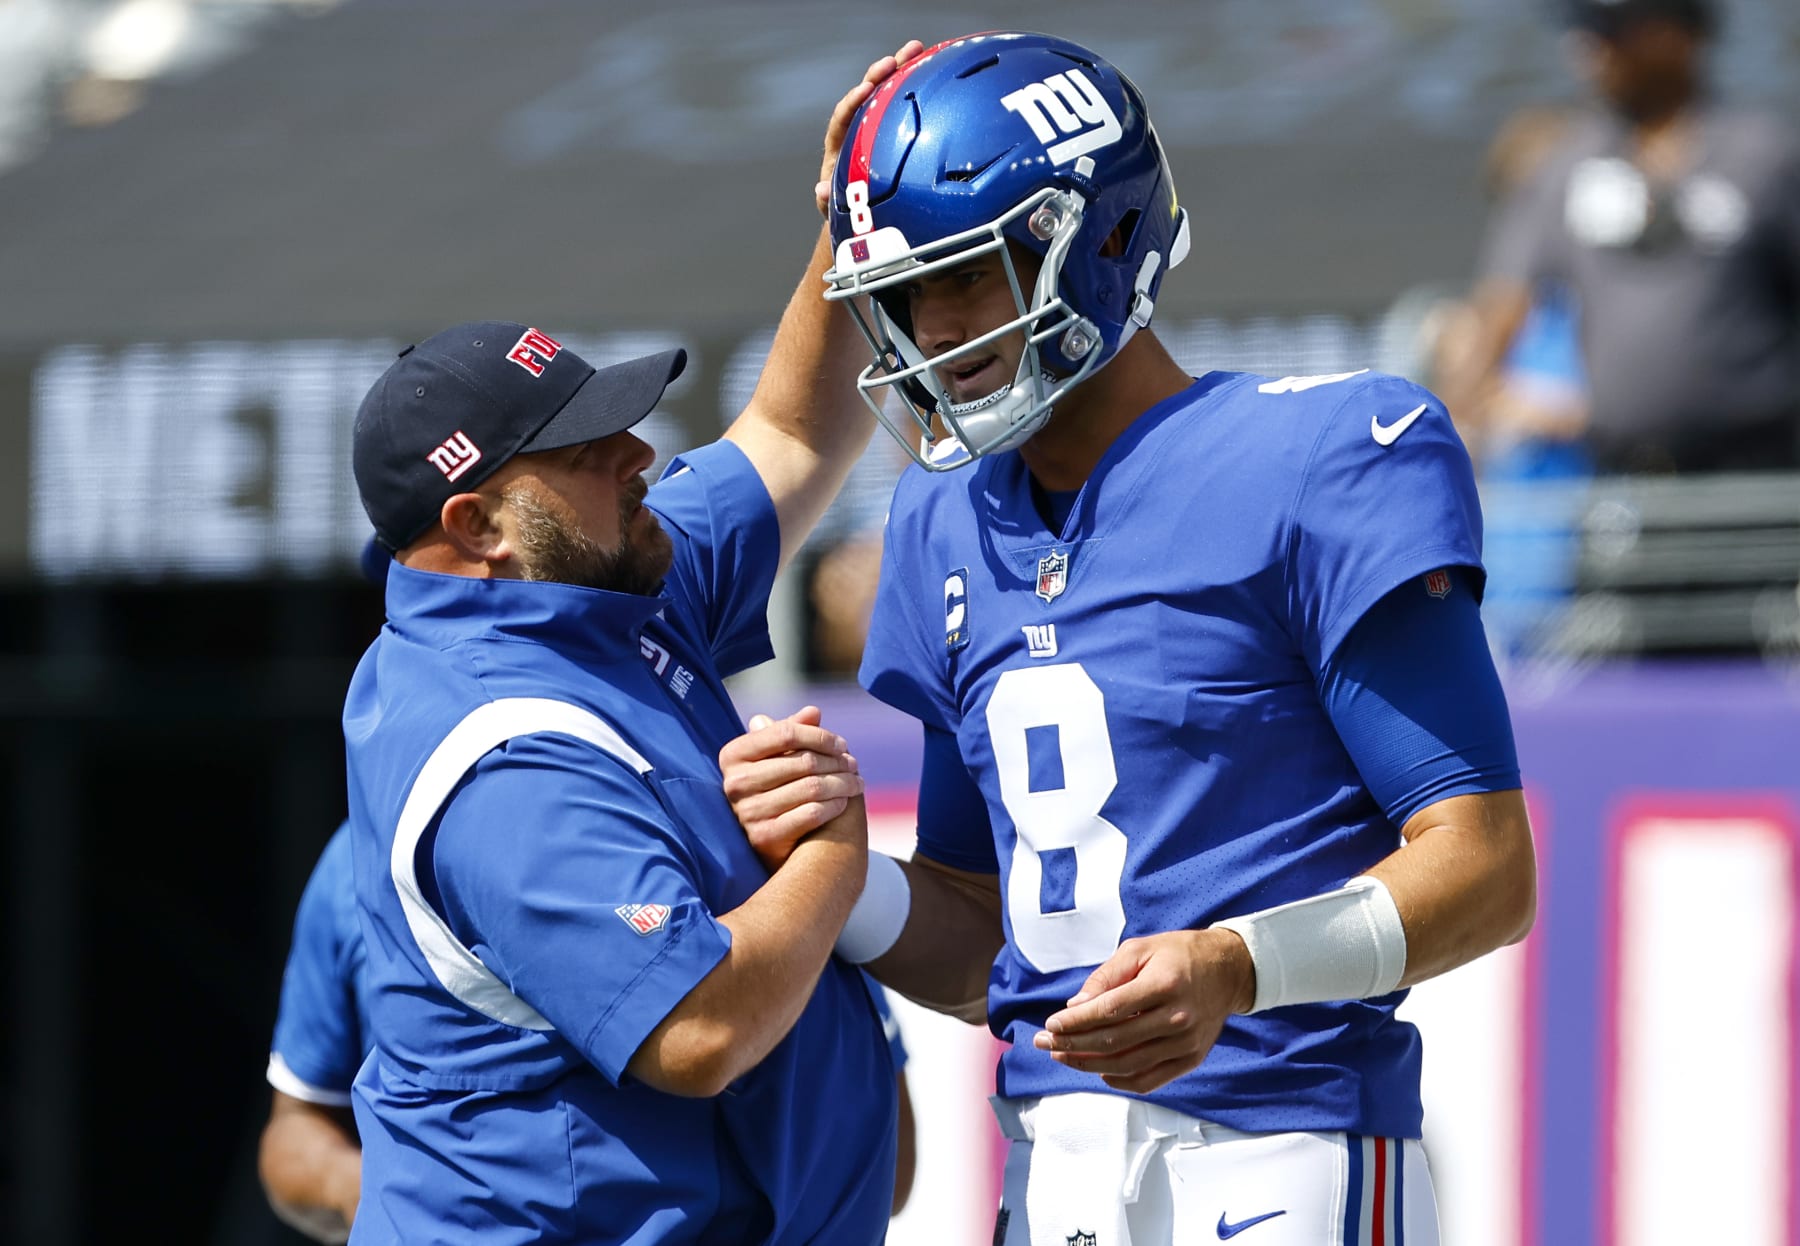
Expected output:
(937, 326)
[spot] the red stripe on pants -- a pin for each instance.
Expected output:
(1378, 1213)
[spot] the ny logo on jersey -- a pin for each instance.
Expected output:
(1040, 639)
(956, 610)
(456, 456)
(1053, 575)
(1066, 103)
(533, 350)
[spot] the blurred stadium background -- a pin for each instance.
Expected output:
(219, 219)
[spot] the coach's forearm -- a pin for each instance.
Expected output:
(805, 426)
(946, 951)
(780, 940)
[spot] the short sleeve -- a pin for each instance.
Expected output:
(319, 1042)
(1415, 698)
(563, 871)
(727, 540)
(906, 662)
(954, 829)
(1388, 494)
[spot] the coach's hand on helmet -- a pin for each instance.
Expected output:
(786, 779)
(839, 125)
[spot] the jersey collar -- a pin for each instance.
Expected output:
(440, 610)
(1004, 492)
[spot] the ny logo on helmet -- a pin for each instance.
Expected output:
(1066, 103)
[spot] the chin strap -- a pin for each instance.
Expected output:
(1142, 305)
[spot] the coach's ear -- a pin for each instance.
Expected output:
(471, 523)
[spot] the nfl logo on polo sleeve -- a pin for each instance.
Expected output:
(646, 919)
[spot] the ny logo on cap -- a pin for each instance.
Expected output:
(456, 456)
(532, 351)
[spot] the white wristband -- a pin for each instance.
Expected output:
(880, 913)
(1345, 944)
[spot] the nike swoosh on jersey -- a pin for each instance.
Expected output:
(1388, 434)
(1227, 1230)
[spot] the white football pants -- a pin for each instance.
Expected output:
(1104, 1170)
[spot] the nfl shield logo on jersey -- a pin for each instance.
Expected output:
(644, 918)
(1053, 575)
(1080, 1237)
(1437, 583)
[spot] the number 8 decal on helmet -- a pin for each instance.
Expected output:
(1021, 146)
(856, 194)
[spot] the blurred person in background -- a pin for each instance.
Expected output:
(840, 594)
(310, 1159)
(1674, 223)
(1530, 426)
(573, 950)
(843, 564)
(1216, 761)
(1532, 423)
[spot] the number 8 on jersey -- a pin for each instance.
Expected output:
(1054, 758)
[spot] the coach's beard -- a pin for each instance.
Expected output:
(553, 551)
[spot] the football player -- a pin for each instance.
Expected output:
(1216, 761)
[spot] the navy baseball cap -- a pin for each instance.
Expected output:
(1609, 17)
(451, 409)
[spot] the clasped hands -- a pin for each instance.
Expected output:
(1147, 1015)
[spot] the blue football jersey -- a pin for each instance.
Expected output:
(1136, 696)
(322, 1026)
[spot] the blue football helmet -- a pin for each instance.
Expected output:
(979, 142)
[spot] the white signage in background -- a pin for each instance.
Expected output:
(219, 459)
(1702, 1032)
(213, 459)
(1476, 1088)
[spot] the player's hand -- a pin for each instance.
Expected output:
(1154, 1009)
(839, 125)
(785, 779)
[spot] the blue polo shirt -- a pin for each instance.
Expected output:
(542, 850)
(322, 1026)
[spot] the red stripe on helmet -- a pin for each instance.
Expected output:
(875, 109)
